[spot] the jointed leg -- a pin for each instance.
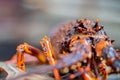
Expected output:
(49, 53)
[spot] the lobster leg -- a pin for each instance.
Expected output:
(85, 76)
(34, 52)
(25, 48)
(20, 59)
(81, 72)
(50, 55)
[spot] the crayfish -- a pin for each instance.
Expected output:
(78, 50)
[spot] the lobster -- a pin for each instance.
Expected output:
(80, 49)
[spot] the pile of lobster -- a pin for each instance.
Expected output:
(78, 50)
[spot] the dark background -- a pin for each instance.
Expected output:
(29, 20)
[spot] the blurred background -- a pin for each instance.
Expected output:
(29, 20)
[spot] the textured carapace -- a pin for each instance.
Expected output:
(80, 26)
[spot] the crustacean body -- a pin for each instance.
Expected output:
(80, 49)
